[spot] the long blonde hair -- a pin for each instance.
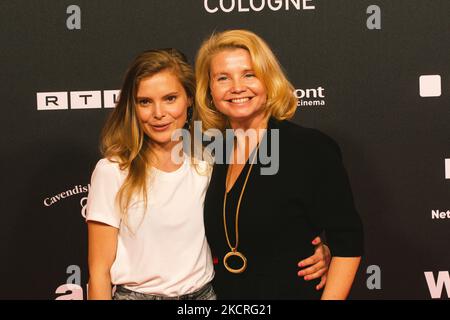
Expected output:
(123, 139)
(281, 102)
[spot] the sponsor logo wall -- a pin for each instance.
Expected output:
(367, 73)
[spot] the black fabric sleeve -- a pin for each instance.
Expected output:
(332, 207)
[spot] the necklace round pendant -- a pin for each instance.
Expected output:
(240, 256)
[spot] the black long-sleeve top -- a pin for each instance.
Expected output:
(281, 214)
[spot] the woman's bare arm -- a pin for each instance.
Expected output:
(102, 247)
(340, 277)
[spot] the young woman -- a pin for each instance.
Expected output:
(258, 225)
(145, 210)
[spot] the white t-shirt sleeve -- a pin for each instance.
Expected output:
(105, 183)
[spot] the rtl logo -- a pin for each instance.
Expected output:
(64, 100)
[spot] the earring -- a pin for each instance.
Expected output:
(189, 112)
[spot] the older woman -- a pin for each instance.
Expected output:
(258, 225)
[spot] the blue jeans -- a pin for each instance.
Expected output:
(204, 293)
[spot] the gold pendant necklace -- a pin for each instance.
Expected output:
(234, 251)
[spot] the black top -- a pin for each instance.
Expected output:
(280, 215)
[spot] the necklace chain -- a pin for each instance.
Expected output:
(234, 249)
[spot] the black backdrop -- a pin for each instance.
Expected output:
(395, 139)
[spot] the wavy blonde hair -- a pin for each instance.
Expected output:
(281, 102)
(123, 139)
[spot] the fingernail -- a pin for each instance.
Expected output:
(300, 264)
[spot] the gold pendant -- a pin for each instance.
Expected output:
(237, 254)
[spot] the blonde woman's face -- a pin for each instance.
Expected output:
(235, 89)
(161, 106)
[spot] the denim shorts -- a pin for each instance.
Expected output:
(204, 293)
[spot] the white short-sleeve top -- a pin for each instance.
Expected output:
(162, 249)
